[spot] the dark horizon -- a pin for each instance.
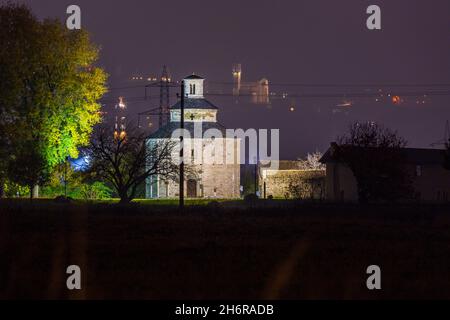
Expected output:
(309, 42)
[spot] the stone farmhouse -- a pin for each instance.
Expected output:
(430, 179)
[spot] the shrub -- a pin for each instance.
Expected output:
(95, 191)
(12, 189)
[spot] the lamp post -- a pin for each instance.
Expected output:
(65, 177)
(256, 176)
(181, 203)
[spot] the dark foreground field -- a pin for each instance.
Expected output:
(155, 252)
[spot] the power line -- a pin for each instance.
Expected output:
(306, 95)
(143, 86)
(126, 88)
(343, 94)
(314, 85)
(345, 85)
(131, 99)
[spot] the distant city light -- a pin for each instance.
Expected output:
(121, 103)
(396, 100)
(345, 104)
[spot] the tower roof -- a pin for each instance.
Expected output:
(166, 131)
(194, 76)
(190, 103)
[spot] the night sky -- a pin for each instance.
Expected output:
(288, 42)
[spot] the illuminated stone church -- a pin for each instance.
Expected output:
(207, 153)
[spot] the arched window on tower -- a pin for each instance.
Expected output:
(190, 89)
(193, 87)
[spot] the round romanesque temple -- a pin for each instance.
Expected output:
(211, 159)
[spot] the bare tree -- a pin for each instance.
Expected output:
(127, 160)
(375, 156)
(312, 162)
(372, 135)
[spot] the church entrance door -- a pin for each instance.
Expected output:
(192, 188)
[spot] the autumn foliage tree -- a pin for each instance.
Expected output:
(49, 88)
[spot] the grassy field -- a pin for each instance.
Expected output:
(151, 202)
(272, 250)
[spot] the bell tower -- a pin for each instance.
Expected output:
(193, 87)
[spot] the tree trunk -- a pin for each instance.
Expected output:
(124, 198)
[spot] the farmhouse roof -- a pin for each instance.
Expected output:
(412, 155)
